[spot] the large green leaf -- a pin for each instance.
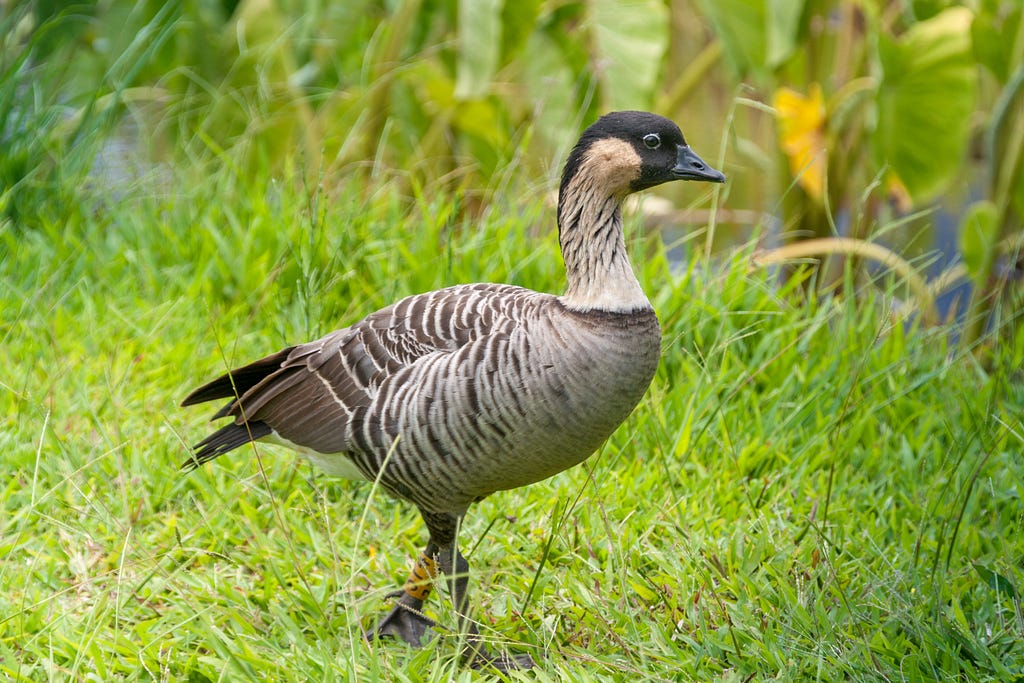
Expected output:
(630, 40)
(740, 25)
(783, 18)
(994, 32)
(925, 99)
(979, 230)
(756, 33)
(479, 33)
(551, 84)
(518, 19)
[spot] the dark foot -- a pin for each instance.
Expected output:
(405, 623)
(480, 658)
(483, 660)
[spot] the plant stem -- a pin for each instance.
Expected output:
(854, 247)
(694, 74)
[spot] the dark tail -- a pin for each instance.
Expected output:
(223, 440)
(232, 385)
(238, 381)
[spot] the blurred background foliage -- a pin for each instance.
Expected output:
(850, 127)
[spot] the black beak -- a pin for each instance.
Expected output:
(689, 166)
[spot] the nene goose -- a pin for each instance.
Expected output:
(448, 396)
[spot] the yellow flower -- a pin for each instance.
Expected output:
(802, 136)
(898, 193)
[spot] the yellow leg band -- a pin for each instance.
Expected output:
(421, 578)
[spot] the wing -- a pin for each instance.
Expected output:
(313, 395)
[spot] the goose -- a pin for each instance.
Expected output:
(448, 396)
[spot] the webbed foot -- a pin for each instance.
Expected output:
(483, 660)
(405, 622)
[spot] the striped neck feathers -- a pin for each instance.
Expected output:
(597, 178)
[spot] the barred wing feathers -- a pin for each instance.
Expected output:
(315, 395)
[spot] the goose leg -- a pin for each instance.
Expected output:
(406, 620)
(456, 571)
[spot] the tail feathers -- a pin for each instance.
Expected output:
(237, 382)
(223, 440)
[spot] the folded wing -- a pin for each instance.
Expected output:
(313, 395)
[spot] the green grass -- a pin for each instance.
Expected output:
(809, 490)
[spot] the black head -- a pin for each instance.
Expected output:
(635, 150)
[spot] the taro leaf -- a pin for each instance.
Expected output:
(482, 120)
(926, 9)
(630, 40)
(740, 25)
(518, 18)
(482, 128)
(996, 582)
(479, 47)
(783, 18)
(979, 229)
(925, 100)
(992, 32)
(549, 79)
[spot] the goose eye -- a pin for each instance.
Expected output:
(652, 141)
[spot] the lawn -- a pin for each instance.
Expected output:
(813, 488)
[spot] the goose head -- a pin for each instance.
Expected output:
(629, 151)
